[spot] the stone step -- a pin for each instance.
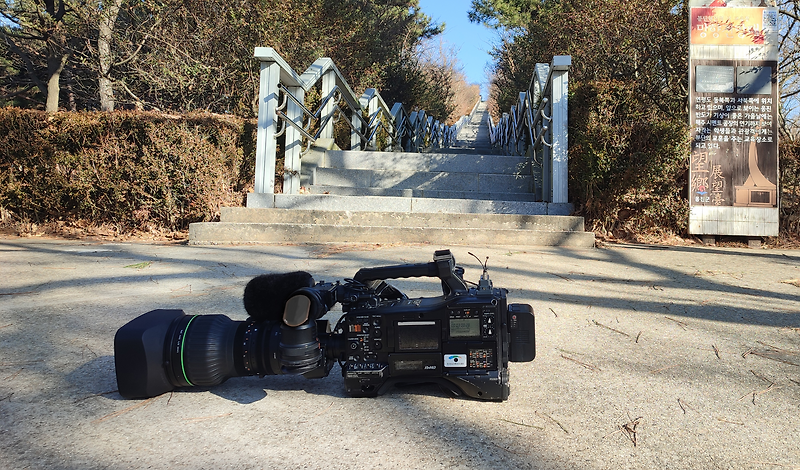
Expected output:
(457, 149)
(430, 162)
(296, 226)
(425, 180)
(441, 194)
(332, 202)
(550, 223)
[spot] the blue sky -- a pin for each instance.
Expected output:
(473, 41)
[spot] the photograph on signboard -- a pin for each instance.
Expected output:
(714, 79)
(754, 80)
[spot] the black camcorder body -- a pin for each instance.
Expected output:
(462, 340)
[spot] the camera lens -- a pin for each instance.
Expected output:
(300, 349)
(205, 350)
(200, 350)
(164, 349)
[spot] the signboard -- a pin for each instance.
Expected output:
(733, 97)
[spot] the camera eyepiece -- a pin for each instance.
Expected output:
(304, 306)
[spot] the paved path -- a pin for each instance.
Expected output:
(694, 349)
(474, 136)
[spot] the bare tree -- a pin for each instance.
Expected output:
(105, 34)
(39, 35)
(444, 73)
(789, 68)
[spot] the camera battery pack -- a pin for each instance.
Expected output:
(521, 328)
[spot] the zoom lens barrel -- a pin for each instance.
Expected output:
(200, 350)
(165, 349)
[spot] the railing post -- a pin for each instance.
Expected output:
(372, 109)
(559, 126)
(547, 161)
(355, 139)
(412, 126)
(522, 107)
(434, 130)
(265, 135)
(506, 130)
(402, 123)
(420, 132)
(328, 85)
(291, 164)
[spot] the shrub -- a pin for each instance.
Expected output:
(137, 171)
(627, 162)
(790, 188)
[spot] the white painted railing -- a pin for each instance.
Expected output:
(282, 111)
(537, 126)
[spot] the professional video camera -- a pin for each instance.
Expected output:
(462, 340)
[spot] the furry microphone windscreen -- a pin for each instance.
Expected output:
(265, 296)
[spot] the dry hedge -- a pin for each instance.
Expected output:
(789, 165)
(628, 162)
(136, 171)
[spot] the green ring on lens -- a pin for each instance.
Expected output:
(185, 332)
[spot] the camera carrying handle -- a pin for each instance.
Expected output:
(443, 266)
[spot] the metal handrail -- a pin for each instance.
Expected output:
(282, 113)
(507, 134)
(536, 126)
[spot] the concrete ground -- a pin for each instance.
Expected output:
(648, 358)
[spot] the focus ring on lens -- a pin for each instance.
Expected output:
(300, 349)
(207, 350)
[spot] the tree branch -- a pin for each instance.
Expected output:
(139, 48)
(24, 36)
(15, 94)
(29, 67)
(790, 94)
(789, 14)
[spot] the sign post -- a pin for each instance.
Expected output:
(733, 114)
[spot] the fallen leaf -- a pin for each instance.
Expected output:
(141, 265)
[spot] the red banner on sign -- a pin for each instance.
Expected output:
(727, 26)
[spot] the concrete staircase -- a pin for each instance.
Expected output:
(462, 197)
